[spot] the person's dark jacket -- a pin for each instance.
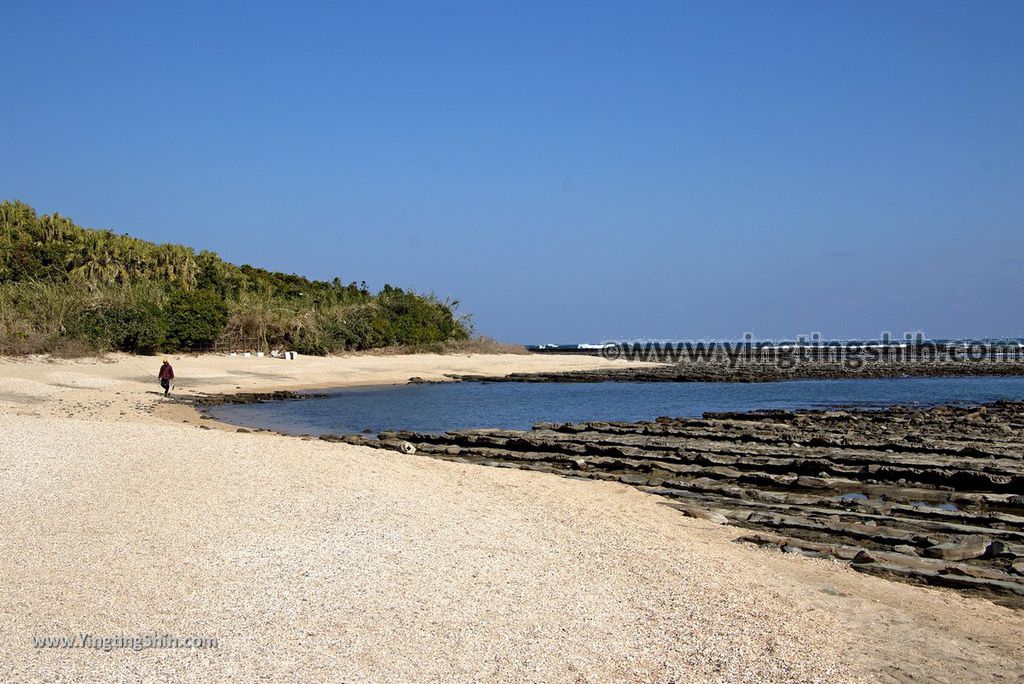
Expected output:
(166, 372)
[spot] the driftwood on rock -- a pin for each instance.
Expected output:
(931, 495)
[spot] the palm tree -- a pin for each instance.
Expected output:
(177, 264)
(94, 259)
(16, 215)
(131, 254)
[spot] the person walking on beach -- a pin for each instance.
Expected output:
(166, 374)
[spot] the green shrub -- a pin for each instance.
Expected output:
(194, 320)
(131, 327)
(408, 318)
(356, 328)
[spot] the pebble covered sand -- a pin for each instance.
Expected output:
(312, 561)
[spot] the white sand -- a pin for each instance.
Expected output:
(312, 561)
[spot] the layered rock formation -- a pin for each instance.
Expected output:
(207, 400)
(923, 495)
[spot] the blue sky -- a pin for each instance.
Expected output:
(570, 171)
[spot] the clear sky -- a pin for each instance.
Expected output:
(570, 171)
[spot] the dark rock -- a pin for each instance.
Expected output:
(251, 397)
(762, 539)
(966, 582)
(1005, 549)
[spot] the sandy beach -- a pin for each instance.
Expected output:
(312, 561)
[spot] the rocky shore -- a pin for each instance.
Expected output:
(721, 370)
(222, 399)
(931, 496)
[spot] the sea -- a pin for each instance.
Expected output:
(512, 405)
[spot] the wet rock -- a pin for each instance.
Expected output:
(331, 438)
(1004, 549)
(250, 397)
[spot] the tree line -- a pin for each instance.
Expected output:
(67, 289)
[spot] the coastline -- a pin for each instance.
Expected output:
(312, 560)
(749, 372)
(924, 495)
(123, 386)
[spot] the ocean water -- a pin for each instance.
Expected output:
(449, 406)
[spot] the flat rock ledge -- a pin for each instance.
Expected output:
(932, 496)
(207, 400)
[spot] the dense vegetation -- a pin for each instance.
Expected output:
(69, 289)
